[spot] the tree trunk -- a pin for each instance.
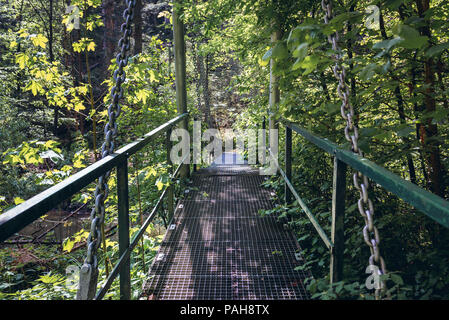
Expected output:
(401, 110)
(109, 40)
(418, 110)
(431, 149)
(52, 58)
(351, 65)
(438, 234)
(138, 40)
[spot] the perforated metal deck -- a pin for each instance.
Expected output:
(219, 247)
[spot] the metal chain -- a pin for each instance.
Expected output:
(361, 183)
(89, 270)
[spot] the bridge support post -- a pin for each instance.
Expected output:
(262, 144)
(123, 228)
(274, 86)
(288, 163)
(196, 143)
(180, 71)
(338, 217)
(170, 191)
(274, 92)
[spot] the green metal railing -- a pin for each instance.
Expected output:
(22, 215)
(428, 203)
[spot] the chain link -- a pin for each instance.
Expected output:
(89, 270)
(361, 183)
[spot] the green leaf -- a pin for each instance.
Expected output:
(142, 95)
(436, 50)
(91, 46)
(40, 40)
(152, 75)
(411, 38)
(387, 44)
(414, 43)
(159, 185)
(68, 245)
(267, 55)
(297, 64)
(13, 45)
(394, 4)
(18, 200)
(396, 279)
(405, 130)
(79, 106)
(51, 144)
(301, 51)
(369, 71)
(405, 31)
(279, 51)
(22, 60)
(35, 87)
(309, 64)
(331, 108)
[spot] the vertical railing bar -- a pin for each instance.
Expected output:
(123, 228)
(170, 192)
(188, 171)
(288, 163)
(338, 217)
(193, 143)
(264, 142)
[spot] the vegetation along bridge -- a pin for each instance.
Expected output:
(218, 245)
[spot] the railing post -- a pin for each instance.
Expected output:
(170, 193)
(262, 144)
(288, 163)
(274, 98)
(196, 142)
(180, 71)
(123, 228)
(338, 217)
(189, 172)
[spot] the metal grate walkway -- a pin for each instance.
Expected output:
(219, 247)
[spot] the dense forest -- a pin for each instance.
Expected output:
(56, 73)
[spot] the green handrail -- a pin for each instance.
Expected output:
(22, 215)
(15, 219)
(428, 203)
